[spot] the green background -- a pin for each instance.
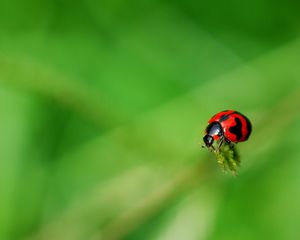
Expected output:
(103, 106)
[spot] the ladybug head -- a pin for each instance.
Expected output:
(208, 140)
(213, 132)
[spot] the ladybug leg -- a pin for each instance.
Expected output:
(231, 144)
(220, 144)
(212, 148)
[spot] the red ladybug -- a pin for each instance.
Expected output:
(230, 126)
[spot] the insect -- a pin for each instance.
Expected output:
(229, 126)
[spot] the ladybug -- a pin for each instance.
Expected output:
(229, 126)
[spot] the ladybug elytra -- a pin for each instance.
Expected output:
(229, 126)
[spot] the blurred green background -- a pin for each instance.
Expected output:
(103, 106)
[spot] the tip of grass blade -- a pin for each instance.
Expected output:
(228, 158)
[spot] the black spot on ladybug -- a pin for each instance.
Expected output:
(248, 126)
(237, 129)
(224, 118)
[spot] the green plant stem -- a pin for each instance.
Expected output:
(154, 202)
(51, 85)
